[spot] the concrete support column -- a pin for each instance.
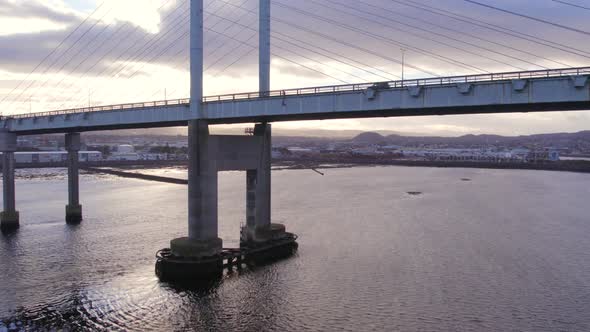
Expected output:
(263, 178)
(258, 189)
(73, 209)
(202, 240)
(202, 183)
(9, 218)
(251, 181)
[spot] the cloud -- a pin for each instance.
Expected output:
(11, 26)
(55, 11)
(145, 14)
(22, 17)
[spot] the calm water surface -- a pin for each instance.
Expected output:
(506, 251)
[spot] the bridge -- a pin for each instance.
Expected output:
(564, 89)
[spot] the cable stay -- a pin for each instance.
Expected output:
(565, 27)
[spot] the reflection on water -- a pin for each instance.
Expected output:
(507, 250)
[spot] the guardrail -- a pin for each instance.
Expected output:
(406, 83)
(328, 89)
(174, 102)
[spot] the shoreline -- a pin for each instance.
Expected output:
(579, 166)
(315, 164)
(575, 166)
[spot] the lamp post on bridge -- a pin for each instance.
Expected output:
(403, 64)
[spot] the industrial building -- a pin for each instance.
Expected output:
(33, 157)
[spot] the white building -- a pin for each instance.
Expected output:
(125, 156)
(125, 152)
(125, 148)
(32, 157)
(153, 156)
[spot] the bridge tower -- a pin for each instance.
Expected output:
(200, 255)
(258, 181)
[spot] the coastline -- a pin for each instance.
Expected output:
(577, 166)
(133, 168)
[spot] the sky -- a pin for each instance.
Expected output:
(58, 54)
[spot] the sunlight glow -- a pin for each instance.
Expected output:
(17, 25)
(143, 13)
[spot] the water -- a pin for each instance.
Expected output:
(507, 251)
(574, 158)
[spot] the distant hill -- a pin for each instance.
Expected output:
(239, 129)
(579, 141)
(370, 138)
(557, 140)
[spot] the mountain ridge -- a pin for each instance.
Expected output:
(552, 139)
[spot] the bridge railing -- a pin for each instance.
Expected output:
(405, 83)
(328, 89)
(173, 102)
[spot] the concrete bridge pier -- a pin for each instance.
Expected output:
(9, 218)
(200, 255)
(73, 209)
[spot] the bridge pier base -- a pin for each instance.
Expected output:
(73, 209)
(9, 217)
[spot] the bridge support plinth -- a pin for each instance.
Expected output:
(73, 214)
(264, 234)
(191, 260)
(73, 209)
(187, 247)
(9, 221)
(9, 218)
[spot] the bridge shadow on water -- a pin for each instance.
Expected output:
(8, 233)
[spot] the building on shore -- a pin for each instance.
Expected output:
(34, 157)
(125, 152)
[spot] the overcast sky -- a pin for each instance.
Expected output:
(57, 54)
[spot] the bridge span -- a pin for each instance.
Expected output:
(566, 89)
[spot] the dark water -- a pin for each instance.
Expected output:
(506, 251)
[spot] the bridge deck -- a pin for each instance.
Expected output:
(529, 91)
